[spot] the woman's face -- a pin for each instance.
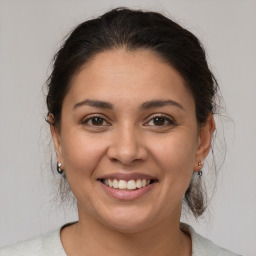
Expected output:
(129, 141)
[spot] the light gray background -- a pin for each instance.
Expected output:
(30, 32)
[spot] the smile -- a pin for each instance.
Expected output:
(127, 185)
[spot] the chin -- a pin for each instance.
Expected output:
(127, 221)
(127, 227)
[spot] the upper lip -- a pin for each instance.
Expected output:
(127, 176)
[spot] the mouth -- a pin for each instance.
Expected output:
(132, 184)
(127, 186)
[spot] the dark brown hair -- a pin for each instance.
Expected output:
(134, 30)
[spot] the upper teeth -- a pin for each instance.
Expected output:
(123, 184)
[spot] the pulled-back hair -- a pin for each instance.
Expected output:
(134, 30)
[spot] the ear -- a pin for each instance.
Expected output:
(204, 142)
(57, 143)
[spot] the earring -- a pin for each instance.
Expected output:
(200, 165)
(59, 170)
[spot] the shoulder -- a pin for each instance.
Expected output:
(44, 245)
(202, 246)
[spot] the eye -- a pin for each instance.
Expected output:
(160, 120)
(96, 121)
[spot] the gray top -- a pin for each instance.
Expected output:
(50, 245)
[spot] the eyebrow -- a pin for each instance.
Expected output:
(160, 103)
(145, 106)
(94, 103)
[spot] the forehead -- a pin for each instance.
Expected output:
(139, 75)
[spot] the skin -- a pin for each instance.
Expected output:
(129, 139)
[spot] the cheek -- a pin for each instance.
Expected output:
(81, 153)
(175, 154)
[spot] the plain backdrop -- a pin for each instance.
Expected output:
(30, 33)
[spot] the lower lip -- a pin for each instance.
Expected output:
(126, 194)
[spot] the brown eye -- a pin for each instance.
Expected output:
(159, 121)
(95, 121)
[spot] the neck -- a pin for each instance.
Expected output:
(88, 237)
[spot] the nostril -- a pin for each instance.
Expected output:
(125, 152)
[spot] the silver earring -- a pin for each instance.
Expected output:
(59, 170)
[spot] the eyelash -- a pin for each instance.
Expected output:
(168, 119)
(86, 121)
(152, 117)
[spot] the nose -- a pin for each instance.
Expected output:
(127, 146)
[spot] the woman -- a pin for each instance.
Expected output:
(131, 102)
